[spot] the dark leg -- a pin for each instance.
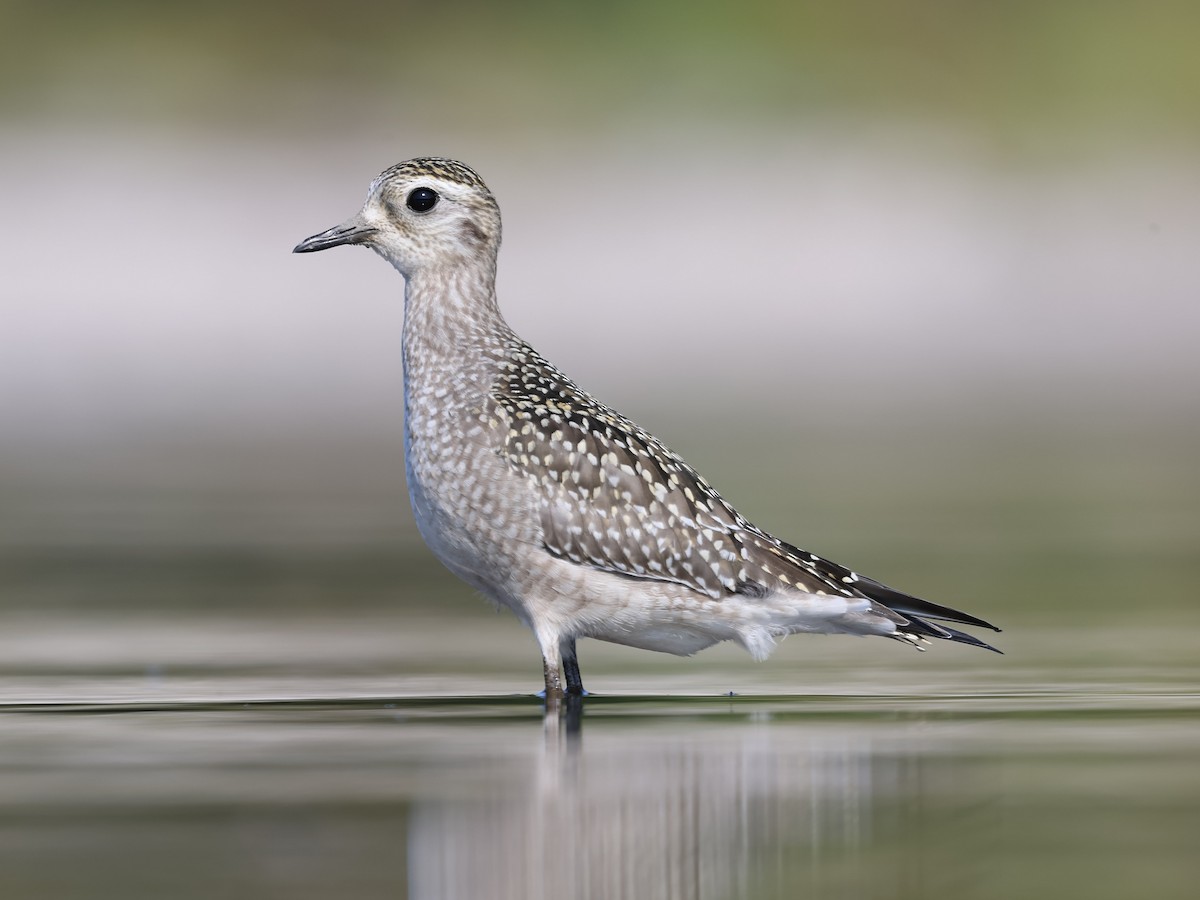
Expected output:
(571, 669)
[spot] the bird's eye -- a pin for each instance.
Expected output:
(422, 199)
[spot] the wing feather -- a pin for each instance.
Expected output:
(614, 497)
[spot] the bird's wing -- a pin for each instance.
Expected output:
(614, 497)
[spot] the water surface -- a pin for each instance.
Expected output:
(318, 775)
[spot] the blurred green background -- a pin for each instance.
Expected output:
(913, 284)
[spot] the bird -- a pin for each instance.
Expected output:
(559, 508)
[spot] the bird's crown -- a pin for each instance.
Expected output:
(438, 167)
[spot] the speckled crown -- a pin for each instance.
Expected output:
(436, 167)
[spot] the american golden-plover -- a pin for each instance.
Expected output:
(557, 507)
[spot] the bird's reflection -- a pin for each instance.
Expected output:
(564, 720)
(744, 806)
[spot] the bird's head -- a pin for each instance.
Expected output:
(423, 214)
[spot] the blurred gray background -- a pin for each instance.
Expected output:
(914, 285)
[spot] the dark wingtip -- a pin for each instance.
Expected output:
(907, 605)
(960, 637)
(918, 627)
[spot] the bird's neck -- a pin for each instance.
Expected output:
(453, 328)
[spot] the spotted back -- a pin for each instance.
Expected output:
(616, 498)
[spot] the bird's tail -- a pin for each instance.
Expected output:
(918, 628)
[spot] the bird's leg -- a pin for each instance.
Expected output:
(571, 668)
(554, 687)
(551, 667)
